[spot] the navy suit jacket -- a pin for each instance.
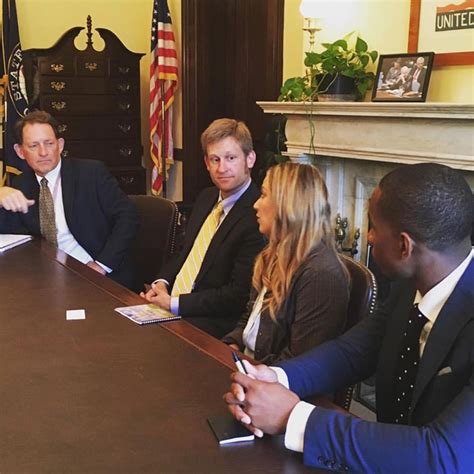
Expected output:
(99, 215)
(440, 437)
(222, 286)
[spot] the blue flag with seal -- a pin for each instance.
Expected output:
(15, 98)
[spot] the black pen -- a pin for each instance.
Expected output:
(238, 363)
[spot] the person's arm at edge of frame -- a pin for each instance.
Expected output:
(349, 442)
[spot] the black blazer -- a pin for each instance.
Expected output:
(99, 215)
(222, 286)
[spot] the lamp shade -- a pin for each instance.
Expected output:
(310, 8)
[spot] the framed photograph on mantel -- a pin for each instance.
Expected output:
(443, 26)
(402, 77)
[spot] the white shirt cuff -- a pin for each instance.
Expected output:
(166, 282)
(107, 269)
(281, 376)
(296, 426)
(174, 305)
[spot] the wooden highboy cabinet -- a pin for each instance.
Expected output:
(95, 96)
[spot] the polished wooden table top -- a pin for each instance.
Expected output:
(104, 394)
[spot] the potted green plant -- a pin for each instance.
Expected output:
(339, 70)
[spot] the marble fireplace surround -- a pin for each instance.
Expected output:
(356, 143)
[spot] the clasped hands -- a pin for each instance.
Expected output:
(258, 401)
(158, 294)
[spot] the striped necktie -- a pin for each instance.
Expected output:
(46, 214)
(187, 275)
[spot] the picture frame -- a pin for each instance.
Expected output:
(403, 77)
(423, 18)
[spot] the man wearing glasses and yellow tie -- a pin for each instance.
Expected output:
(209, 282)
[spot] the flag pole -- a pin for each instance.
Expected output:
(164, 137)
(3, 92)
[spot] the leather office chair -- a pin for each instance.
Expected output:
(361, 304)
(155, 240)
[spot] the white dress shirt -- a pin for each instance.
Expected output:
(430, 305)
(66, 241)
(250, 333)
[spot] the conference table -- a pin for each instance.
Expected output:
(104, 394)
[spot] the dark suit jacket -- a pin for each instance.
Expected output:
(222, 286)
(421, 79)
(99, 215)
(314, 311)
(440, 438)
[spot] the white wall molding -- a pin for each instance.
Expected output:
(394, 133)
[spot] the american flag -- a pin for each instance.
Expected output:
(163, 82)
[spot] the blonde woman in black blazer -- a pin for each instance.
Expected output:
(300, 288)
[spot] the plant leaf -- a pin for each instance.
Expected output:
(348, 73)
(342, 43)
(364, 60)
(361, 46)
(362, 88)
(312, 59)
(348, 36)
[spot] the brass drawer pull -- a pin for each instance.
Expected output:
(57, 67)
(58, 105)
(127, 180)
(124, 106)
(126, 152)
(90, 66)
(124, 69)
(57, 85)
(62, 127)
(123, 86)
(125, 127)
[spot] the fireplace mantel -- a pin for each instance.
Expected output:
(384, 132)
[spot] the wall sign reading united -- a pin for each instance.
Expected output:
(445, 27)
(455, 17)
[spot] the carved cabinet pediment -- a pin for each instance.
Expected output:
(95, 96)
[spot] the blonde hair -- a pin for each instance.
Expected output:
(223, 128)
(302, 221)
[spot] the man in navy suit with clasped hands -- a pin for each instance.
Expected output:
(422, 217)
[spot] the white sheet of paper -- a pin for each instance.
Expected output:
(8, 241)
(73, 314)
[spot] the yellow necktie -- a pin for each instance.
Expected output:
(188, 273)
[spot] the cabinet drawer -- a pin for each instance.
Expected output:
(124, 68)
(99, 128)
(60, 66)
(114, 153)
(131, 180)
(84, 104)
(89, 85)
(91, 66)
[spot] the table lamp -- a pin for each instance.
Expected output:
(309, 10)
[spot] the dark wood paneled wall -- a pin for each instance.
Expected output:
(232, 57)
